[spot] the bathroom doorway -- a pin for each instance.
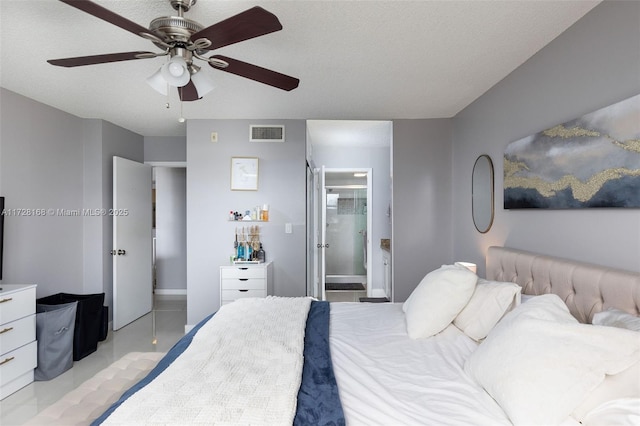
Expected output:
(343, 235)
(347, 145)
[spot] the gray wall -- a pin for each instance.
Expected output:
(165, 148)
(171, 228)
(422, 201)
(593, 64)
(41, 168)
(60, 162)
(210, 235)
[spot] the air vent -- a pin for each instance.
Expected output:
(266, 133)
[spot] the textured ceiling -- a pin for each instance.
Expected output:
(371, 60)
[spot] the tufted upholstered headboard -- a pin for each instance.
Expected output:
(585, 288)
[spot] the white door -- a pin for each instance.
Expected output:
(132, 241)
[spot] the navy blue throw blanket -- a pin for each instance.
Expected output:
(318, 399)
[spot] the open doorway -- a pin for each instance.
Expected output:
(349, 146)
(170, 230)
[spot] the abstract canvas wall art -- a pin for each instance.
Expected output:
(592, 161)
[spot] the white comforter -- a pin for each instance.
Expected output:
(244, 366)
(385, 378)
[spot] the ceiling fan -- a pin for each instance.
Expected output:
(184, 40)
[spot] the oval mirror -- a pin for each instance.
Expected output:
(482, 193)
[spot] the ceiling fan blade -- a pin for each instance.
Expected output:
(188, 92)
(254, 72)
(106, 15)
(251, 23)
(97, 59)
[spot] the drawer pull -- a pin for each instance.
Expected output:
(5, 330)
(243, 291)
(243, 279)
(6, 300)
(244, 269)
(6, 360)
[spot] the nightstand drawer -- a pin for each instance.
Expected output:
(18, 362)
(243, 272)
(244, 284)
(17, 304)
(17, 333)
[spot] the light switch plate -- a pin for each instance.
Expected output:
(214, 136)
(288, 229)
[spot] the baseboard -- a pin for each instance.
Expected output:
(170, 291)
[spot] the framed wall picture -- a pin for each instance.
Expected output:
(244, 173)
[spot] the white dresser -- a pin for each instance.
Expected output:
(18, 350)
(245, 280)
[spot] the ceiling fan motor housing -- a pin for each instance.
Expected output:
(174, 29)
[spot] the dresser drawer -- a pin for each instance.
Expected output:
(229, 295)
(17, 333)
(241, 272)
(244, 284)
(18, 304)
(18, 362)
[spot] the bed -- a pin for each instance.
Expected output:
(516, 348)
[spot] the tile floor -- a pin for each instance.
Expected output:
(167, 320)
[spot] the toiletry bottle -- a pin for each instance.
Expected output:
(247, 251)
(261, 256)
(240, 251)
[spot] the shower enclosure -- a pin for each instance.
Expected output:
(346, 234)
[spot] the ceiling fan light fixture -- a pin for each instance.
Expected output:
(158, 83)
(203, 82)
(175, 72)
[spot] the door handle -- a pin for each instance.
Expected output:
(323, 245)
(121, 252)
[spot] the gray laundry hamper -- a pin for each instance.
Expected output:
(54, 332)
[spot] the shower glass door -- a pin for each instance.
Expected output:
(346, 232)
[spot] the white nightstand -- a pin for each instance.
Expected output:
(18, 347)
(245, 280)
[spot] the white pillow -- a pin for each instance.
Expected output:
(613, 317)
(488, 304)
(437, 300)
(539, 363)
